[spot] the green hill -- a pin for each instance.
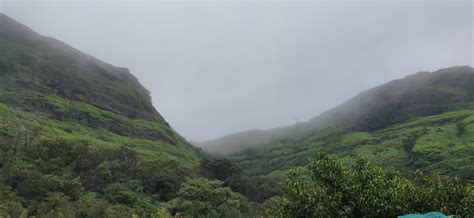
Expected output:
(46, 83)
(421, 94)
(441, 143)
(80, 135)
(81, 138)
(423, 121)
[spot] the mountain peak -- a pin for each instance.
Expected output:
(12, 30)
(67, 90)
(420, 94)
(32, 63)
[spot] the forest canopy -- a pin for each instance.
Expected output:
(328, 188)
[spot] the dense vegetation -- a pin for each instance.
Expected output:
(81, 134)
(422, 122)
(70, 95)
(80, 138)
(399, 101)
(32, 63)
(437, 144)
(327, 188)
(54, 178)
(65, 178)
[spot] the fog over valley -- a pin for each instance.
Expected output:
(236, 108)
(215, 68)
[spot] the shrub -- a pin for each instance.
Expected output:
(327, 188)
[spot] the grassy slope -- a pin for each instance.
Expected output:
(68, 94)
(421, 94)
(12, 120)
(441, 143)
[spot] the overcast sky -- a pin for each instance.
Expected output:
(217, 68)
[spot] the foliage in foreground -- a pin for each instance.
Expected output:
(64, 178)
(68, 179)
(209, 198)
(327, 188)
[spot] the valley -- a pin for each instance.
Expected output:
(81, 138)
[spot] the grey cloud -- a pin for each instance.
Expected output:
(219, 67)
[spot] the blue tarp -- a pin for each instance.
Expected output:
(426, 215)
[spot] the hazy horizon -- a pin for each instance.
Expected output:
(216, 68)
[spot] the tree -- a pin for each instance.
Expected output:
(327, 188)
(220, 169)
(209, 198)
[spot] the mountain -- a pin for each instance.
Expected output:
(80, 132)
(421, 94)
(81, 138)
(70, 92)
(423, 121)
(236, 142)
(241, 141)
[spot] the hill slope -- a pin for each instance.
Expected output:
(421, 94)
(440, 143)
(74, 95)
(424, 121)
(78, 135)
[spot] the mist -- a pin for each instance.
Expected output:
(214, 68)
